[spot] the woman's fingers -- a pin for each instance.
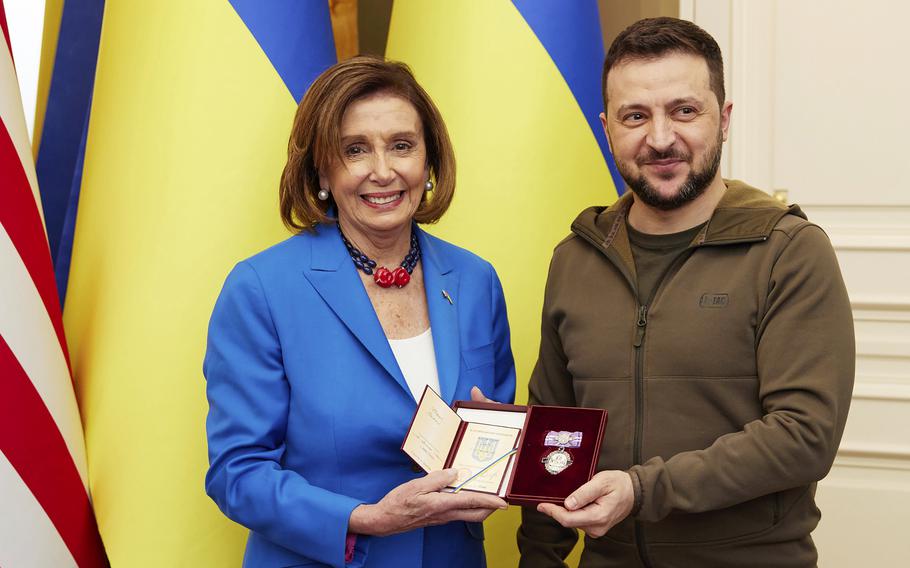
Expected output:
(434, 481)
(473, 500)
(478, 396)
(467, 515)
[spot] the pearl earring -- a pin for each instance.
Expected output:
(323, 194)
(428, 186)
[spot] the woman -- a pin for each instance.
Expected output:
(319, 346)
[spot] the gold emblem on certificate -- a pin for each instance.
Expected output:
(484, 449)
(559, 459)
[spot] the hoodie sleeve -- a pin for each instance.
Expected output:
(805, 361)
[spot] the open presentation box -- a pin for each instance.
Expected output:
(525, 454)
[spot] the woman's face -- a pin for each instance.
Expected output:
(379, 181)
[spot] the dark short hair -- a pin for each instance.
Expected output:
(653, 37)
(315, 140)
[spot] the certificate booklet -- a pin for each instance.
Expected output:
(482, 453)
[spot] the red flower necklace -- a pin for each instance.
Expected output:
(382, 276)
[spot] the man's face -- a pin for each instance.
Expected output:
(665, 128)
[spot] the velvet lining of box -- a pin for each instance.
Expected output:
(531, 481)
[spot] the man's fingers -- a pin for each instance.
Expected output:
(559, 514)
(587, 493)
(570, 519)
(478, 396)
(552, 510)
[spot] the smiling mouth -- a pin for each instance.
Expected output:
(666, 162)
(382, 198)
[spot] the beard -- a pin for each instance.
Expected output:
(691, 188)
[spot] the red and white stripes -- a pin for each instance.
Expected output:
(46, 518)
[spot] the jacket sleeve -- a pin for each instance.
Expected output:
(248, 397)
(504, 390)
(805, 359)
(542, 541)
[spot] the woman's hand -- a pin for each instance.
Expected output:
(478, 396)
(419, 503)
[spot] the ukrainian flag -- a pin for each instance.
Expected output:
(518, 84)
(68, 56)
(191, 109)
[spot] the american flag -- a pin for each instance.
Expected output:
(46, 517)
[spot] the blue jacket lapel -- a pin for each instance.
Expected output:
(335, 278)
(439, 276)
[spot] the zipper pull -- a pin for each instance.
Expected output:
(642, 322)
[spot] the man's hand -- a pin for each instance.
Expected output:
(596, 506)
(419, 503)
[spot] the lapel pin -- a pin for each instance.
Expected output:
(447, 297)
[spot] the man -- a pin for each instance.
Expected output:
(710, 321)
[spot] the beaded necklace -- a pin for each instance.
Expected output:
(382, 276)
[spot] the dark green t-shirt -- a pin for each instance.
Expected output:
(653, 256)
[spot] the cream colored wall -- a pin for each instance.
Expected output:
(616, 15)
(819, 90)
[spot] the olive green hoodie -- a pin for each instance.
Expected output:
(727, 395)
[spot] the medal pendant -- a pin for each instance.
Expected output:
(557, 461)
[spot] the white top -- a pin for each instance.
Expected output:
(417, 361)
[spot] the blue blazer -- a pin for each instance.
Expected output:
(308, 407)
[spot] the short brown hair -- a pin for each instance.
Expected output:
(316, 138)
(653, 37)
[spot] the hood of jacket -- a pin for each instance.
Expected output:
(744, 214)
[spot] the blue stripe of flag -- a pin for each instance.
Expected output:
(59, 164)
(65, 250)
(295, 35)
(570, 32)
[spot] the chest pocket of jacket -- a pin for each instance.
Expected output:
(477, 357)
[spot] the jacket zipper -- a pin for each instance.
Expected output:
(640, 329)
(641, 324)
